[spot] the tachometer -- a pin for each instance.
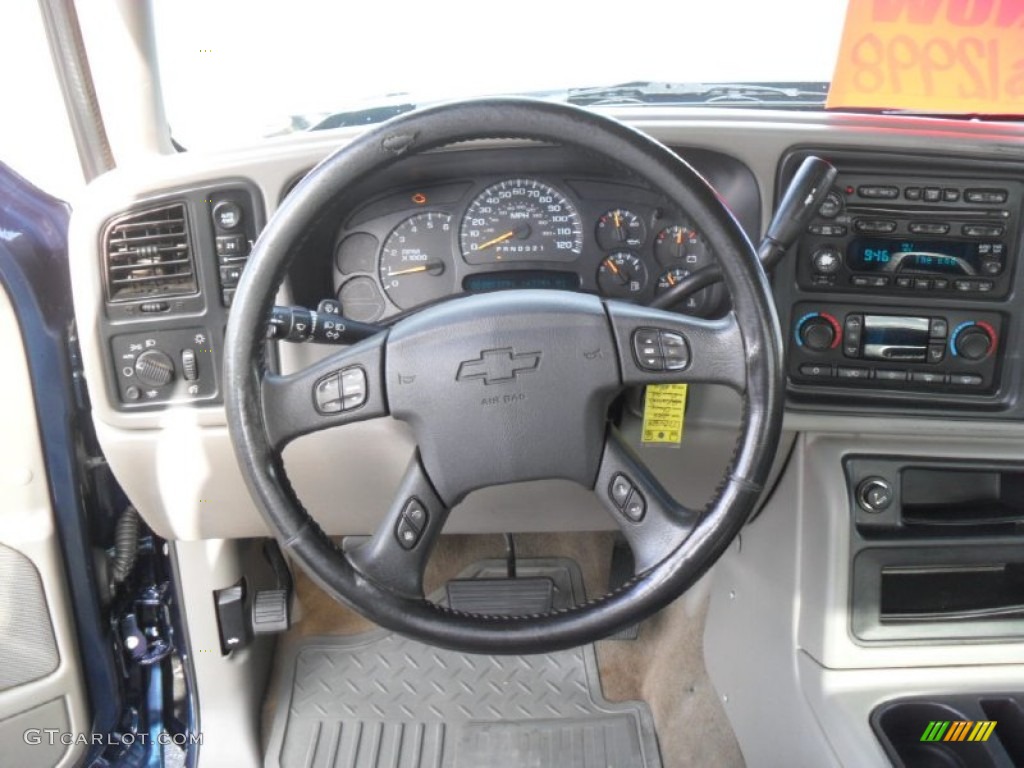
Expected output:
(415, 261)
(520, 220)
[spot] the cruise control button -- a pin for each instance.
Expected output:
(328, 394)
(620, 490)
(407, 535)
(353, 388)
(636, 507)
(416, 514)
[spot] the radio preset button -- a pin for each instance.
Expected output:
(928, 228)
(812, 370)
(932, 194)
(940, 283)
(982, 230)
(964, 286)
(853, 373)
(912, 193)
(950, 195)
(921, 284)
(875, 226)
(984, 286)
(860, 281)
(904, 282)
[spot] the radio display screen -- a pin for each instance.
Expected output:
(913, 256)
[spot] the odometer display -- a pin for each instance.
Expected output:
(520, 220)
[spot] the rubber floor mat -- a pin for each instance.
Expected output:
(378, 699)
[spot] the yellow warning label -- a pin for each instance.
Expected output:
(664, 411)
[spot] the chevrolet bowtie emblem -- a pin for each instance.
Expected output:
(497, 365)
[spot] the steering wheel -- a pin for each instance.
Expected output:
(506, 387)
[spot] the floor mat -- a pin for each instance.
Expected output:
(378, 699)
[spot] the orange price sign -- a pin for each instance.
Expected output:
(945, 56)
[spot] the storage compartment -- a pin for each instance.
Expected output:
(948, 731)
(952, 593)
(938, 593)
(966, 498)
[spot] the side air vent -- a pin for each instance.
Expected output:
(149, 255)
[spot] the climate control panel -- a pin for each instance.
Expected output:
(855, 345)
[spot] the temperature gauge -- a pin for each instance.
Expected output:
(693, 304)
(622, 275)
(618, 228)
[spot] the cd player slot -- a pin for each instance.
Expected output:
(933, 213)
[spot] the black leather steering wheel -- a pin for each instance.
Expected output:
(506, 387)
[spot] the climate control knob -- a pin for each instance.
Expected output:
(973, 343)
(817, 333)
(154, 369)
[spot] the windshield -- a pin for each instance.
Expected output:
(234, 70)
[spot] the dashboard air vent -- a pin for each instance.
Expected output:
(149, 255)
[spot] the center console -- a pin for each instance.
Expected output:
(900, 291)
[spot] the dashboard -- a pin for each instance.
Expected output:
(156, 256)
(557, 229)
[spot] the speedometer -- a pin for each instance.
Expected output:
(520, 220)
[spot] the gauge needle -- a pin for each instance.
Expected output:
(617, 272)
(499, 239)
(671, 280)
(432, 267)
(618, 221)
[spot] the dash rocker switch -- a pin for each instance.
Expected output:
(189, 365)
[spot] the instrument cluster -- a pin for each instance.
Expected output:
(408, 248)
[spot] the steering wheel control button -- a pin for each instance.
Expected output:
(620, 490)
(657, 350)
(416, 514)
(874, 494)
(675, 350)
(647, 350)
(635, 507)
(353, 388)
(407, 536)
(411, 524)
(227, 214)
(328, 394)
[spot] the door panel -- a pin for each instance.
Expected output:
(40, 681)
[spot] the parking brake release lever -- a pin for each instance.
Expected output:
(805, 193)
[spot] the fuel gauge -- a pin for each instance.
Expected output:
(622, 275)
(618, 228)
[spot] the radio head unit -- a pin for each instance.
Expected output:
(913, 235)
